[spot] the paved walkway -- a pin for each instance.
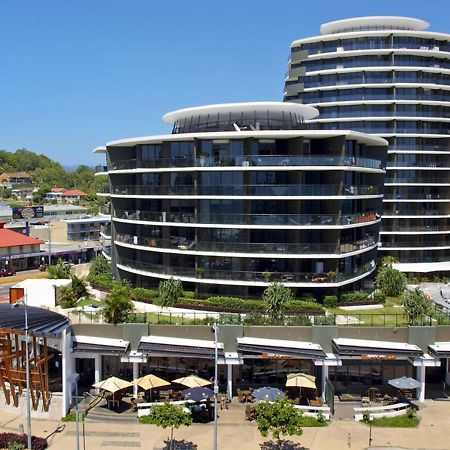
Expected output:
(237, 434)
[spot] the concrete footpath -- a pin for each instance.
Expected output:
(237, 434)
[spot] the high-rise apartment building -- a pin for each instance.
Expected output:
(390, 77)
(242, 195)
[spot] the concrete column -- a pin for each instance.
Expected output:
(229, 381)
(135, 375)
(421, 380)
(324, 379)
(97, 369)
(67, 369)
(447, 374)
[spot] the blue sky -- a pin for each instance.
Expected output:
(76, 74)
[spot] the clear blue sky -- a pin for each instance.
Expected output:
(76, 74)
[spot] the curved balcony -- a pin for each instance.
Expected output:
(269, 190)
(251, 277)
(292, 220)
(246, 161)
(434, 179)
(394, 229)
(302, 249)
(105, 231)
(101, 170)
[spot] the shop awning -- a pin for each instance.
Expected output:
(376, 350)
(440, 349)
(276, 348)
(104, 346)
(170, 346)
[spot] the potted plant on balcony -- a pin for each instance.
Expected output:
(267, 276)
(199, 271)
(332, 276)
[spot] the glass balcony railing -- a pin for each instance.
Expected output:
(246, 161)
(416, 212)
(417, 228)
(106, 230)
(255, 276)
(184, 243)
(418, 180)
(246, 219)
(307, 190)
(101, 168)
(414, 243)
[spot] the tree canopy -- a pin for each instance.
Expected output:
(390, 281)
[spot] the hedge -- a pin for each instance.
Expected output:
(357, 296)
(144, 295)
(37, 443)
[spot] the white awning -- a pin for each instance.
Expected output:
(170, 346)
(261, 346)
(100, 345)
(422, 267)
(361, 347)
(440, 349)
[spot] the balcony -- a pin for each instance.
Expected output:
(246, 161)
(269, 190)
(246, 276)
(189, 244)
(247, 219)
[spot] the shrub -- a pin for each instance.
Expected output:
(357, 296)
(390, 281)
(417, 306)
(276, 297)
(61, 270)
(379, 297)
(330, 301)
(79, 287)
(254, 318)
(103, 280)
(366, 416)
(303, 306)
(117, 304)
(144, 295)
(68, 298)
(410, 413)
(98, 266)
(169, 292)
(72, 417)
(37, 443)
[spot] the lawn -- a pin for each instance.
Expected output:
(396, 422)
(313, 422)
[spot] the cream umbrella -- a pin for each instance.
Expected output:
(192, 381)
(301, 380)
(113, 385)
(149, 382)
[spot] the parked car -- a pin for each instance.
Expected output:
(7, 272)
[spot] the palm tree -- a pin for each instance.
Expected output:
(117, 304)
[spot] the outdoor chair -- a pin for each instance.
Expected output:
(249, 412)
(240, 396)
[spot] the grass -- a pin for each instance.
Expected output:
(86, 301)
(18, 278)
(313, 422)
(396, 422)
(72, 417)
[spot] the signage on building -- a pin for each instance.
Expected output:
(378, 357)
(28, 213)
(267, 355)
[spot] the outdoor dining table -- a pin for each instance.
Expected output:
(247, 396)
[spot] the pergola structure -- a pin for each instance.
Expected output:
(13, 356)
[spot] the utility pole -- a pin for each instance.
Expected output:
(216, 386)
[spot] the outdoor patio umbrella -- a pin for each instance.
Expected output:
(113, 384)
(301, 380)
(192, 381)
(404, 383)
(197, 393)
(268, 393)
(149, 382)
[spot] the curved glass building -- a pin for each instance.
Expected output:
(390, 77)
(242, 195)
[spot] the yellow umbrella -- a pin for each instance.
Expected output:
(150, 381)
(113, 384)
(192, 381)
(301, 380)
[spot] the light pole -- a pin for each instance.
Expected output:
(370, 430)
(49, 242)
(216, 386)
(74, 379)
(22, 300)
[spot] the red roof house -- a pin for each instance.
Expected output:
(72, 195)
(9, 238)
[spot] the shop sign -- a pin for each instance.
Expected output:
(378, 357)
(267, 355)
(28, 213)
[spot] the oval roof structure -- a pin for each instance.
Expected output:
(307, 112)
(408, 23)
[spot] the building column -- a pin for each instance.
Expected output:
(135, 375)
(421, 380)
(229, 381)
(324, 379)
(97, 369)
(67, 369)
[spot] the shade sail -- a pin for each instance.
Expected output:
(151, 381)
(268, 393)
(405, 383)
(192, 381)
(113, 384)
(301, 380)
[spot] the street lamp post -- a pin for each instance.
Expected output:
(370, 431)
(27, 368)
(216, 386)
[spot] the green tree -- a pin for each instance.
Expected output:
(99, 265)
(61, 270)
(79, 287)
(417, 306)
(68, 298)
(39, 196)
(279, 418)
(276, 297)
(169, 292)
(388, 260)
(117, 304)
(390, 281)
(167, 416)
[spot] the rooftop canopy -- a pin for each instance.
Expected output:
(374, 23)
(40, 321)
